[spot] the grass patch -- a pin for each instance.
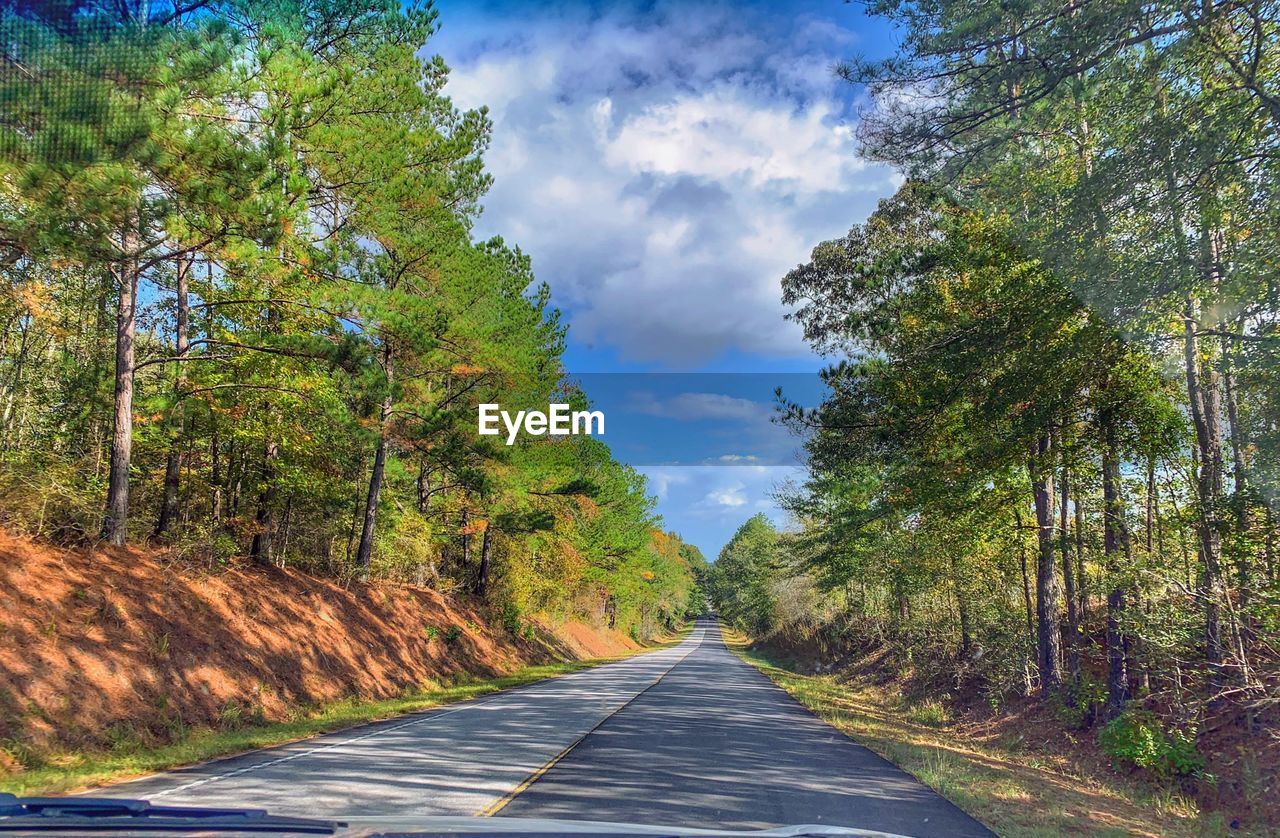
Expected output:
(929, 713)
(59, 772)
(1012, 792)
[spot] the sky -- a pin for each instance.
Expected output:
(664, 164)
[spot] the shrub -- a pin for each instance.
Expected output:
(123, 738)
(231, 716)
(1136, 737)
(452, 634)
(511, 618)
(930, 713)
(59, 501)
(1078, 707)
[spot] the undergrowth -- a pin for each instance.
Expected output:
(1014, 791)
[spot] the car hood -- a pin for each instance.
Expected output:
(550, 826)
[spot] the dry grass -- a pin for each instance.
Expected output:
(1014, 792)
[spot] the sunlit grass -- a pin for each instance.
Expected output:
(1014, 793)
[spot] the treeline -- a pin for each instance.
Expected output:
(1047, 463)
(243, 312)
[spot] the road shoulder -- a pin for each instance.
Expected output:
(1003, 789)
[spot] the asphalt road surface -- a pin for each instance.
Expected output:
(683, 736)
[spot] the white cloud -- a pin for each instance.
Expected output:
(731, 496)
(664, 168)
(661, 480)
(726, 135)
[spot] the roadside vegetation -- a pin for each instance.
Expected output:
(999, 778)
(1045, 472)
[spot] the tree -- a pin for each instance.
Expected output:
(238, 241)
(741, 575)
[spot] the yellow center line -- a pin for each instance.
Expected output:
(497, 805)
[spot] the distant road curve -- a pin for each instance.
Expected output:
(684, 736)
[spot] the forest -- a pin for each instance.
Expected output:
(1046, 466)
(244, 315)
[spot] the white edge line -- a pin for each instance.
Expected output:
(431, 716)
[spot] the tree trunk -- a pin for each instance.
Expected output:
(465, 521)
(1115, 543)
(1048, 591)
(1082, 582)
(264, 518)
(1270, 555)
(260, 550)
(215, 481)
(424, 487)
(115, 524)
(1151, 504)
(284, 539)
(1202, 392)
(1068, 579)
(1026, 597)
(173, 463)
(16, 385)
(486, 547)
(1203, 401)
(355, 516)
(364, 553)
(962, 607)
(235, 473)
(1244, 510)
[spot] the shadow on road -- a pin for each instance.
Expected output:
(716, 744)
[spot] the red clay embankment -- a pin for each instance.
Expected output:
(95, 644)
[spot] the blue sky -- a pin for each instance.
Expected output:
(664, 164)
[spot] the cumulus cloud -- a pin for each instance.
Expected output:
(665, 165)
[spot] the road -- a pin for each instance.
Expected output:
(686, 736)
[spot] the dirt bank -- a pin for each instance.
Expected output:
(103, 646)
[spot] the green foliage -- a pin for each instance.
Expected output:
(511, 620)
(930, 713)
(740, 578)
(1137, 737)
(1080, 706)
(1072, 293)
(292, 194)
